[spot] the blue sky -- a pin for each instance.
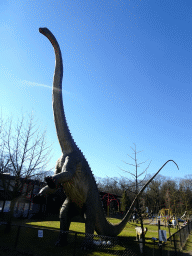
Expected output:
(127, 77)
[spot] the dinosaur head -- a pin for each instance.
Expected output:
(43, 31)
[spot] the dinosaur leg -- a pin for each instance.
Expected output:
(89, 226)
(65, 220)
(67, 212)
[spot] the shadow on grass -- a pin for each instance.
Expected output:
(27, 240)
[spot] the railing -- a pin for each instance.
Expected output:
(176, 242)
(41, 241)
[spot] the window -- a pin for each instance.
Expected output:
(7, 206)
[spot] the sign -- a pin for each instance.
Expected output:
(40, 233)
(162, 236)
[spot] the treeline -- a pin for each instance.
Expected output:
(162, 192)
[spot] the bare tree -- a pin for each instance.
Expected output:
(128, 189)
(25, 154)
(136, 184)
(27, 148)
(4, 157)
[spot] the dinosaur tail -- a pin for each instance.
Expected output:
(64, 136)
(108, 229)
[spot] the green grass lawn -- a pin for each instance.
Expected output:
(29, 240)
(129, 230)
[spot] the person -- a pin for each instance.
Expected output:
(133, 217)
(152, 215)
(174, 223)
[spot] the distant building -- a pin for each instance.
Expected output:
(25, 208)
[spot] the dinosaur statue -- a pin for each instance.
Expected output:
(73, 172)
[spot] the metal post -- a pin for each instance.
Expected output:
(188, 227)
(3, 206)
(142, 235)
(17, 237)
(181, 242)
(107, 210)
(169, 229)
(175, 245)
(159, 227)
(160, 248)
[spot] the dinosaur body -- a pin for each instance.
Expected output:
(73, 171)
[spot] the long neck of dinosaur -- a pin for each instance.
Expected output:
(66, 141)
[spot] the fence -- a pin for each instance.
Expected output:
(176, 242)
(40, 241)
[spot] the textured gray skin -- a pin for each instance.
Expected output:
(73, 171)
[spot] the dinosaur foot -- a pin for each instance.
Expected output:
(50, 182)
